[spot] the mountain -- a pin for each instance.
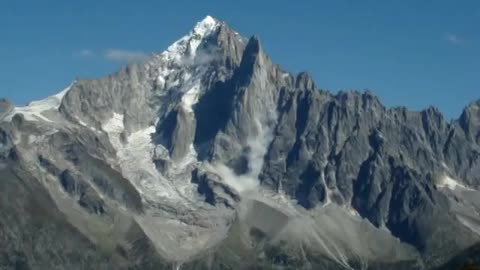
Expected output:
(210, 156)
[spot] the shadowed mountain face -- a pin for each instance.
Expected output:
(210, 156)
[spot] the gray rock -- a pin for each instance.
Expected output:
(5, 108)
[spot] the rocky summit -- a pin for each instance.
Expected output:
(210, 156)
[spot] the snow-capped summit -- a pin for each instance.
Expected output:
(187, 45)
(205, 25)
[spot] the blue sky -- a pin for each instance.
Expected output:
(409, 52)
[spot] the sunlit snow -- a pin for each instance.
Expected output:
(34, 110)
(135, 159)
(450, 183)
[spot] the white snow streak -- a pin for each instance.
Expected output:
(450, 183)
(190, 98)
(469, 224)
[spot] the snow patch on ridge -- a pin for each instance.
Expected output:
(35, 109)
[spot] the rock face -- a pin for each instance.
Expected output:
(210, 156)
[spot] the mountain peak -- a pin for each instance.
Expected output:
(211, 144)
(188, 44)
(209, 20)
(205, 26)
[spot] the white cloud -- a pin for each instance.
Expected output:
(124, 55)
(454, 39)
(86, 53)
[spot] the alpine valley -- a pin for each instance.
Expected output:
(210, 156)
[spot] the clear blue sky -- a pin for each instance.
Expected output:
(410, 52)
